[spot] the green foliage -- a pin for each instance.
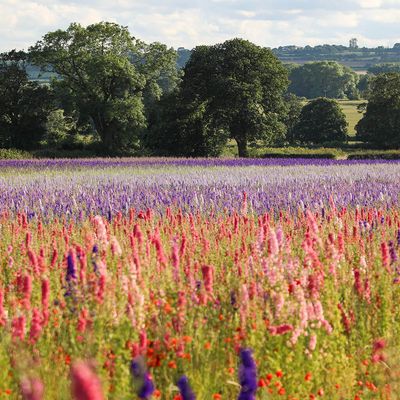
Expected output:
(380, 124)
(179, 129)
(24, 105)
(375, 155)
(57, 128)
(294, 105)
(364, 84)
(323, 79)
(321, 120)
(14, 154)
(105, 72)
(384, 68)
(239, 87)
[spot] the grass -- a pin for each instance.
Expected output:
(349, 107)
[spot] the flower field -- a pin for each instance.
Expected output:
(205, 279)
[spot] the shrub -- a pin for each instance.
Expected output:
(321, 120)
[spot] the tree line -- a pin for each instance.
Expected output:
(116, 95)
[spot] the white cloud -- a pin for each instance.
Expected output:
(189, 23)
(370, 3)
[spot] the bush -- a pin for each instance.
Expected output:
(321, 120)
(14, 154)
(302, 152)
(60, 153)
(375, 155)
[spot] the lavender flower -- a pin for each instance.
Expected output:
(141, 378)
(185, 389)
(247, 375)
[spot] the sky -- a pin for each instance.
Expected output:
(187, 23)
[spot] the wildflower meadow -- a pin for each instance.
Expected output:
(199, 279)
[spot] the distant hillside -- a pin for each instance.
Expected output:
(360, 59)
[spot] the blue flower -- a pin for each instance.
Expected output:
(71, 268)
(141, 378)
(247, 375)
(185, 389)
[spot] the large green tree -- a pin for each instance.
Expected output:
(323, 79)
(107, 73)
(24, 105)
(321, 120)
(178, 128)
(381, 122)
(237, 88)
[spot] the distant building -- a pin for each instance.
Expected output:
(353, 44)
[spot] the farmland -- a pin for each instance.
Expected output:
(121, 278)
(349, 107)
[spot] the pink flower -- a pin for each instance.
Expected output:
(85, 383)
(18, 328)
(36, 325)
(32, 389)
(312, 344)
(280, 329)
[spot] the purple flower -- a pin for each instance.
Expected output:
(185, 389)
(71, 268)
(141, 378)
(392, 252)
(247, 375)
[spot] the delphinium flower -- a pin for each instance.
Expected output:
(247, 375)
(141, 378)
(185, 389)
(71, 267)
(70, 276)
(85, 383)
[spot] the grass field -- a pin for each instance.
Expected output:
(352, 115)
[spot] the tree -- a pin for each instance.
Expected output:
(323, 79)
(180, 129)
(106, 72)
(58, 126)
(363, 85)
(239, 88)
(321, 120)
(294, 105)
(381, 122)
(24, 105)
(384, 67)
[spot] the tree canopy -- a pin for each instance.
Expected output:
(323, 79)
(384, 67)
(239, 87)
(24, 105)
(381, 122)
(321, 120)
(107, 74)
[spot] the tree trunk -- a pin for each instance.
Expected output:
(242, 146)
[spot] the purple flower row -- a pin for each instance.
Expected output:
(72, 188)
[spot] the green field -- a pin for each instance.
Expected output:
(349, 107)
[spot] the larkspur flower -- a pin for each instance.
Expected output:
(85, 383)
(247, 375)
(185, 389)
(141, 378)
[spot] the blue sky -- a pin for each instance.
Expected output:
(191, 22)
